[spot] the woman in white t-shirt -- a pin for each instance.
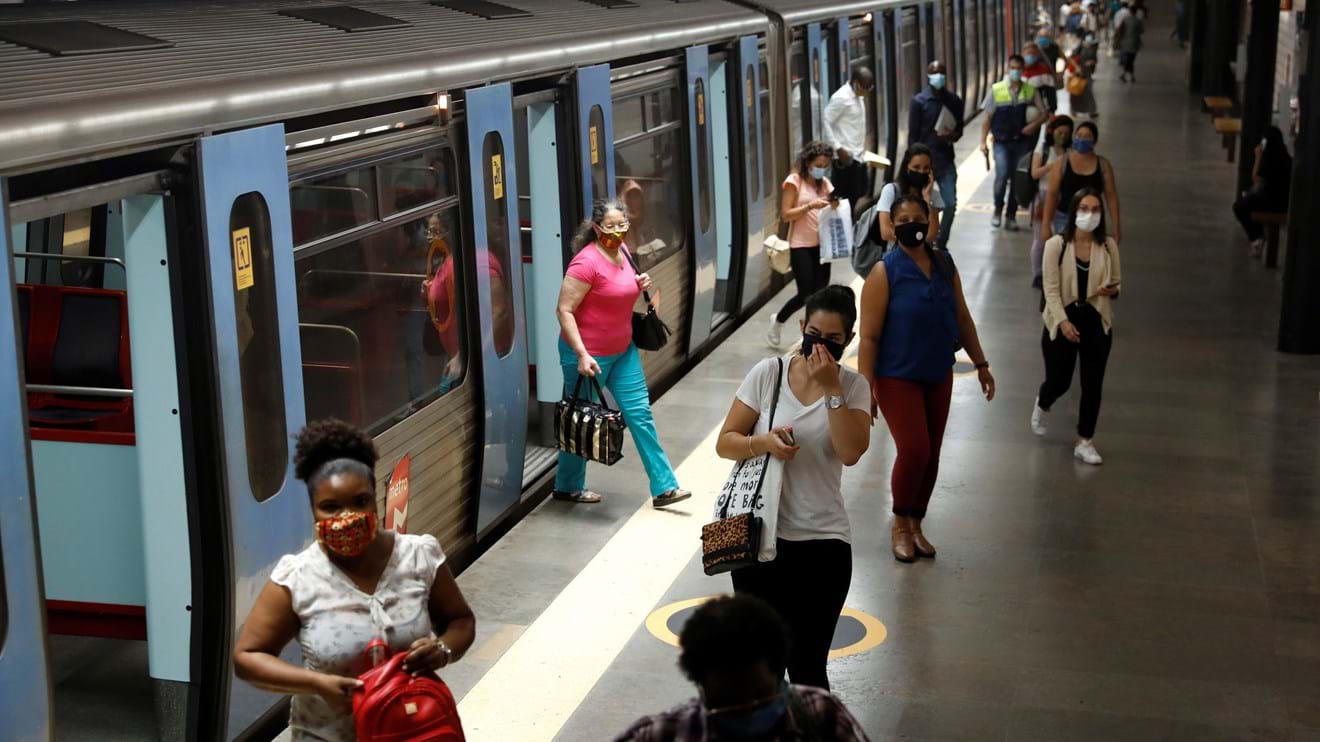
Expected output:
(354, 584)
(915, 177)
(827, 408)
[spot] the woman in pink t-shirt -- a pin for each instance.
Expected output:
(595, 318)
(807, 190)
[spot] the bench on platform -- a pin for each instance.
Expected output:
(1218, 105)
(1229, 128)
(1271, 221)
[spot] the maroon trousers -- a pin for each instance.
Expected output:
(916, 413)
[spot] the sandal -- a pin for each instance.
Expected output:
(585, 496)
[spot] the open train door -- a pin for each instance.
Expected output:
(493, 175)
(25, 690)
(257, 365)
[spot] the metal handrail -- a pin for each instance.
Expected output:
(73, 258)
(82, 391)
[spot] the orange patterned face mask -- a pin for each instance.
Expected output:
(347, 534)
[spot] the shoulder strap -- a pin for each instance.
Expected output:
(774, 404)
(646, 295)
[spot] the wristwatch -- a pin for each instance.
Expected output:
(834, 402)
(449, 653)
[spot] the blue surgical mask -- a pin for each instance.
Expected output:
(1015, 75)
(819, 173)
(1043, 40)
(1030, 59)
(1083, 146)
(755, 725)
(937, 80)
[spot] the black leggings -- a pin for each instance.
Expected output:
(807, 584)
(809, 275)
(1061, 357)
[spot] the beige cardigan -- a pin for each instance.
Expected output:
(1061, 285)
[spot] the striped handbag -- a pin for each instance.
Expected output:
(589, 429)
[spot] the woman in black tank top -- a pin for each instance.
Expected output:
(1067, 178)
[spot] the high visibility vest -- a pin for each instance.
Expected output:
(1009, 117)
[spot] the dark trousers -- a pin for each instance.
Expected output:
(809, 275)
(849, 180)
(916, 414)
(1243, 207)
(1061, 356)
(807, 584)
(1128, 61)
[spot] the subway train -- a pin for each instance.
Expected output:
(226, 219)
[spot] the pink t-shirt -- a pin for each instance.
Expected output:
(604, 316)
(805, 232)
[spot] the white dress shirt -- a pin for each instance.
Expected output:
(845, 121)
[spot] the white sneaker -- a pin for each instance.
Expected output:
(1085, 451)
(773, 336)
(1040, 419)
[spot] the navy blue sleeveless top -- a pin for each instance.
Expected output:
(921, 323)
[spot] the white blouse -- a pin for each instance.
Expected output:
(338, 620)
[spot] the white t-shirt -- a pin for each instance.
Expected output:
(811, 500)
(889, 194)
(337, 620)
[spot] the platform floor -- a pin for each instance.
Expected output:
(1171, 594)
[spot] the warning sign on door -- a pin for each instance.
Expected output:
(497, 176)
(595, 145)
(242, 243)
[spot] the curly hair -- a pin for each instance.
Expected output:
(809, 153)
(325, 441)
(733, 633)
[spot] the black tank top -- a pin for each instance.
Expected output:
(1072, 181)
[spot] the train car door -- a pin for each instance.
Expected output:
(728, 262)
(25, 703)
(595, 134)
(887, 84)
(700, 165)
(248, 244)
(493, 169)
(746, 90)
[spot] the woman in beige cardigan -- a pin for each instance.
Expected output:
(1081, 278)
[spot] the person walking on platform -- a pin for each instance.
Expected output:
(913, 317)
(1055, 139)
(356, 583)
(845, 130)
(1007, 117)
(595, 318)
(826, 406)
(1271, 181)
(735, 649)
(1080, 168)
(935, 119)
(1129, 44)
(913, 180)
(1049, 48)
(1081, 68)
(806, 191)
(1039, 74)
(1082, 277)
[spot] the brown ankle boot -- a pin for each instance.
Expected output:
(904, 551)
(923, 547)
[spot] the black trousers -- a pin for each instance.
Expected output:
(1061, 356)
(1243, 207)
(809, 275)
(850, 180)
(807, 584)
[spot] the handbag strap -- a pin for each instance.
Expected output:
(645, 294)
(577, 391)
(774, 404)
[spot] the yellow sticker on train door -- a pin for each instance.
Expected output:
(750, 97)
(497, 176)
(701, 109)
(594, 144)
(242, 244)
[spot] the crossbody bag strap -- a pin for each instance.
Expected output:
(627, 254)
(774, 405)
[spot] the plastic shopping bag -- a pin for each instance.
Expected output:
(836, 232)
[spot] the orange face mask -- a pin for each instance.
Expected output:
(347, 534)
(610, 240)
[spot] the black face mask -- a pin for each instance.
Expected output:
(809, 342)
(917, 180)
(912, 234)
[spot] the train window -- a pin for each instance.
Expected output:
(704, 164)
(596, 145)
(415, 180)
(497, 194)
(649, 180)
(260, 366)
(628, 119)
(750, 99)
(332, 204)
(381, 319)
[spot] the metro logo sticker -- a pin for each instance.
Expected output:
(396, 496)
(241, 240)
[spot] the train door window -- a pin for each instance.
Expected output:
(332, 204)
(703, 158)
(410, 182)
(797, 71)
(595, 140)
(749, 96)
(496, 193)
(649, 169)
(261, 369)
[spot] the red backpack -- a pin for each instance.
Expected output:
(394, 706)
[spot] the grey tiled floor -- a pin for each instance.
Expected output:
(1172, 594)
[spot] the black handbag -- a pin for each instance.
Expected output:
(589, 429)
(649, 331)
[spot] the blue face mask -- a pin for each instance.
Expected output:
(937, 80)
(1083, 146)
(819, 173)
(1015, 75)
(1043, 40)
(1030, 59)
(755, 725)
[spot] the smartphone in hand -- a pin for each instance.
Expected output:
(786, 435)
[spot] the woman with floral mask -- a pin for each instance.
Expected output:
(913, 316)
(356, 583)
(595, 320)
(1055, 139)
(822, 424)
(806, 191)
(1082, 278)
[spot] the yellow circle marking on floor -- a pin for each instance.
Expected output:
(874, 631)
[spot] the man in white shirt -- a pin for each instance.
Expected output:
(845, 131)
